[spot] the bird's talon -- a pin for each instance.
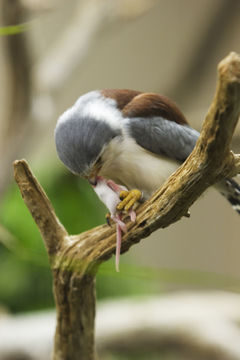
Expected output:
(108, 219)
(123, 194)
(129, 199)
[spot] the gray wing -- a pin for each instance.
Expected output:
(163, 137)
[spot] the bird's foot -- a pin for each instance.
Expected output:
(129, 199)
(109, 219)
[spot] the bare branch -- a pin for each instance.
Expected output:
(52, 230)
(223, 114)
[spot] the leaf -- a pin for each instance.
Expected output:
(13, 29)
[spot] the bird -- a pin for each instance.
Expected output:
(136, 139)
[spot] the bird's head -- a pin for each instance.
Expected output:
(84, 131)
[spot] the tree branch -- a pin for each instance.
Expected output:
(75, 259)
(52, 230)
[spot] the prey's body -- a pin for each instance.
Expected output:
(109, 192)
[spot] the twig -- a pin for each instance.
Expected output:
(75, 259)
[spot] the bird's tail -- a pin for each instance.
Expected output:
(230, 189)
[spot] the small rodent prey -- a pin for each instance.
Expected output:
(108, 192)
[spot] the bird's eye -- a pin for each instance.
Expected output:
(99, 161)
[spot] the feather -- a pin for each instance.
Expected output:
(163, 137)
(134, 103)
(155, 123)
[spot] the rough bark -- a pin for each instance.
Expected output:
(75, 259)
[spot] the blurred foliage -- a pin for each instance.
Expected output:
(13, 29)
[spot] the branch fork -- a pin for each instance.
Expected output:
(75, 259)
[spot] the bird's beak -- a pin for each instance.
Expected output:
(93, 180)
(93, 176)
